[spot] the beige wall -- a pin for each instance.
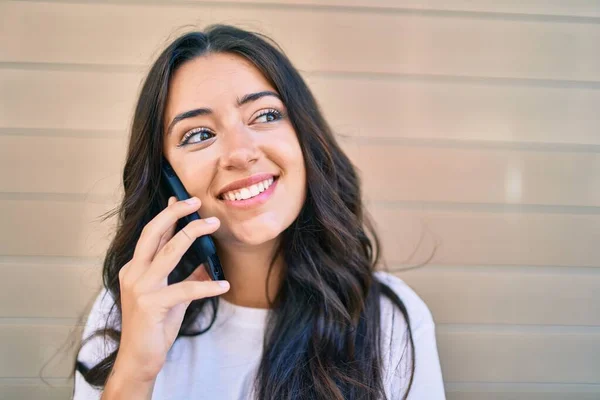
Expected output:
(476, 126)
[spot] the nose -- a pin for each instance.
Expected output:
(239, 149)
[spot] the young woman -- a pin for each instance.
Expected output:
(303, 314)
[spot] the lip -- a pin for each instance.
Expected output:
(242, 183)
(261, 198)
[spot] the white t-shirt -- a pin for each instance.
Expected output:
(221, 363)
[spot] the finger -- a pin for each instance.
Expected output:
(186, 291)
(147, 245)
(198, 275)
(167, 258)
(170, 231)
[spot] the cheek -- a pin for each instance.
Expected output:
(297, 171)
(291, 160)
(287, 154)
(196, 179)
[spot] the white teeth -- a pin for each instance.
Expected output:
(254, 190)
(245, 193)
(248, 192)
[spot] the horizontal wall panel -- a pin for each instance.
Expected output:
(508, 295)
(389, 172)
(420, 44)
(521, 391)
(64, 228)
(64, 99)
(580, 8)
(41, 390)
(88, 166)
(78, 285)
(34, 350)
(394, 173)
(354, 106)
(410, 237)
(54, 228)
(522, 396)
(458, 110)
(541, 355)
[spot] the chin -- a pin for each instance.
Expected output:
(258, 236)
(257, 232)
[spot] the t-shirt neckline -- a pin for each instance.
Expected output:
(242, 314)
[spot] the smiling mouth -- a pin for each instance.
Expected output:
(248, 192)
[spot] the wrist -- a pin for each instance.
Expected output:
(143, 373)
(124, 382)
(119, 387)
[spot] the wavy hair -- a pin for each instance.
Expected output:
(333, 348)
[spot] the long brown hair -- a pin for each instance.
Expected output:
(333, 348)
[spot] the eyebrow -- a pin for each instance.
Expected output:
(207, 111)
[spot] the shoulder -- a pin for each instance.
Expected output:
(95, 348)
(103, 314)
(397, 359)
(418, 311)
(102, 309)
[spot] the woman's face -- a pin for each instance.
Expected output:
(225, 124)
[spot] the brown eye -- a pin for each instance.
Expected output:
(270, 115)
(196, 136)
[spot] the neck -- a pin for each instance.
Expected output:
(246, 268)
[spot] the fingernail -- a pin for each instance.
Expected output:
(211, 220)
(192, 200)
(223, 283)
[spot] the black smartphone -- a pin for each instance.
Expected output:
(204, 245)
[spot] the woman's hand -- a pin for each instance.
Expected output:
(152, 310)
